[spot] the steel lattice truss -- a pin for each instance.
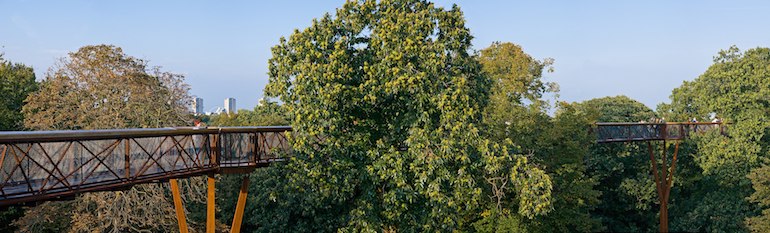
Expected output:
(44, 165)
(626, 132)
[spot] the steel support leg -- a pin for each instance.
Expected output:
(663, 180)
(238, 218)
(178, 206)
(210, 206)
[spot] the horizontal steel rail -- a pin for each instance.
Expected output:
(44, 165)
(607, 132)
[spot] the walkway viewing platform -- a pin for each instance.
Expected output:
(44, 165)
(629, 132)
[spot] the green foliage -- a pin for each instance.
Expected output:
(628, 196)
(7, 215)
(711, 208)
(385, 103)
(562, 150)
(517, 112)
(262, 180)
(733, 88)
(16, 82)
(517, 76)
(265, 114)
(618, 109)
(760, 179)
(494, 221)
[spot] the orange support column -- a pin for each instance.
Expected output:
(178, 206)
(664, 178)
(210, 206)
(239, 208)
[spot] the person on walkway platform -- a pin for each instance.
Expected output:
(694, 120)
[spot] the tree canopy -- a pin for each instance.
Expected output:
(17, 81)
(100, 87)
(386, 101)
(400, 126)
(734, 88)
(622, 171)
(518, 112)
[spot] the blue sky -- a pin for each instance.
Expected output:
(642, 49)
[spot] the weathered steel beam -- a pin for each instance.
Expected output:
(241, 206)
(178, 206)
(211, 208)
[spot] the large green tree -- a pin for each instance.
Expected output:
(386, 102)
(734, 88)
(760, 179)
(100, 87)
(17, 81)
(518, 112)
(628, 198)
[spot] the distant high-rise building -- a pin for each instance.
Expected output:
(230, 105)
(197, 105)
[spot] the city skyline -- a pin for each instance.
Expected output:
(197, 106)
(672, 41)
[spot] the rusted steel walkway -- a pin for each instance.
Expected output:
(663, 169)
(44, 165)
(627, 132)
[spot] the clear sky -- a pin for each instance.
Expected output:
(642, 49)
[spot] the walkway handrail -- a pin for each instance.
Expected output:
(641, 131)
(68, 135)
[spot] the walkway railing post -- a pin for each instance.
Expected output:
(128, 159)
(215, 149)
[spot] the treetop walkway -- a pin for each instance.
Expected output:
(662, 169)
(46, 165)
(607, 132)
(43, 165)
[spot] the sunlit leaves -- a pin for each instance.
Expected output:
(735, 88)
(385, 101)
